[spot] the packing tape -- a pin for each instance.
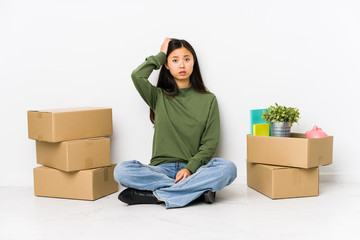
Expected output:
(89, 163)
(39, 115)
(106, 174)
(40, 137)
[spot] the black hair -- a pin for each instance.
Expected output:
(167, 82)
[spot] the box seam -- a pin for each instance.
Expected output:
(67, 157)
(52, 127)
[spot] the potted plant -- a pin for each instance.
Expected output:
(281, 119)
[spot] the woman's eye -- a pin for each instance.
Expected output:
(187, 59)
(174, 61)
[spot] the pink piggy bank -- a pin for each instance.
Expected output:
(316, 133)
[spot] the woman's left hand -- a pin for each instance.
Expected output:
(182, 174)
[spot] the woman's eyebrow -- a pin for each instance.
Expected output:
(184, 56)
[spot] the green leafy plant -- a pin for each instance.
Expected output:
(281, 114)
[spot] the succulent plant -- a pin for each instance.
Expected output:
(281, 114)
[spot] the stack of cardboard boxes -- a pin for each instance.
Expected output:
(73, 145)
(287, 167)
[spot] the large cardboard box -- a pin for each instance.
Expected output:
(283, 182)
(59, 125)
(74, 155)
(88, 184)
(293, 151)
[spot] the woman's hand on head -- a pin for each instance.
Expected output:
(182, 174)
(164, 45)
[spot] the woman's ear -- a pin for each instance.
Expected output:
(167, 67)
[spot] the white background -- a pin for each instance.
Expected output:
(305, 54)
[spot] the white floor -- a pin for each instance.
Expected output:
(239, 213)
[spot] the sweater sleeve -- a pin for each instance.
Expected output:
(140, 78)
(209, 139)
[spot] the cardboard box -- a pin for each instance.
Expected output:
(88, 184)
(293, 151)
(283, 182)
(74, 155)
(59, 125)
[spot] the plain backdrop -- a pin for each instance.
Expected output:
(58, 54)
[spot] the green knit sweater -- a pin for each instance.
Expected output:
(187, 126)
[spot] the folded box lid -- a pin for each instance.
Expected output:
(88, 184)
(293, 151)
(74, 155)
(283, 182)
(66, 124)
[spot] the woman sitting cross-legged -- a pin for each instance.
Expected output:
(187, 128)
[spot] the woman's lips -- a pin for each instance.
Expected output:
(182, 73)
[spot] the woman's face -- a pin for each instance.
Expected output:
(180, 63)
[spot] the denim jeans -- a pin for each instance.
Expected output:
(159, 179)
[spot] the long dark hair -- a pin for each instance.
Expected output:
(166, 81)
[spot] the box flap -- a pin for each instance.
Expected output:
(274, 167)
(297, 135)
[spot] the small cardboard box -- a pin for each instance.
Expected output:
(293, 151)
(74, 155)
(283, 182)
(59, 125)
(88, 184)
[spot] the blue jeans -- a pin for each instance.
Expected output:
(159, 179)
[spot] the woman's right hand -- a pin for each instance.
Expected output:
(164, 45)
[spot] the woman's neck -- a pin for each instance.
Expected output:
(182, 83)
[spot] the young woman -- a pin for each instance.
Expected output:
(187, 127)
